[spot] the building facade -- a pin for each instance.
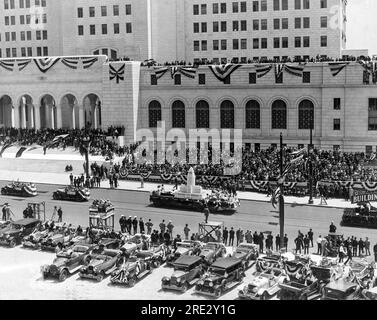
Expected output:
(169, 30)
(261, 99)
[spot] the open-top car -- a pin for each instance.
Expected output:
(100, 264)
(131, 271)
(368, 294)
(14, 232)
(137, 242)
(211, 251)
(223, 275)
(267, 262)
(61, 239)
(363, 216)
(72, 193)
(187, 271)
(20, 189)
(247, 252)
(156, 256)
(67, 262)
(340, 289)
(264, 285)
(185, 247)
(33, 240)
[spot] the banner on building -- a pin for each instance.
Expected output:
(363, 196)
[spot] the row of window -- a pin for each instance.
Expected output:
(256, 6)
(104, 13)
(24, 52)
(227, 118)
(10, 4)
(26, 19)
(258, 43)
(221, 26)
(104, 29)
(25, 35)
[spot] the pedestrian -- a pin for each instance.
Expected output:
(342, 252)
(298, 243)
(129, 224)
(141, 182)
(231, 236)
(60, 214)
(361, 247)
(149, 226)
(277, 242)
(238, 235)
(349, 255)
(375, 252)
(306, 244)
(332, 228)
(354, 246)
(319, 244)
(162, 226)
(310, 236)
(206, 214)
(367, 246)
(323, 247)
(242, 236)
(225, 235)
(71, 178)
(5, 211)
(186, 231)
(256, 238)
(218, 235)
(170, 228)
(134, 224)
(141, 225)
(286, 241)
(261, 238)
(122, 223)
(167, 238)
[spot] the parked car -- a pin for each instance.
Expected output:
(58, 241)
(100, 264)
(187, 271)
(14, 232)
(72, 193)
(369, 294)
(247, 252)
(340, 290)
(131, 271)
(264, 285)
(222, 276)
(185, 247)
(155, 255)
(211, 251)
(267, 262)
(34, 239)
(67, 262)
(136, 242)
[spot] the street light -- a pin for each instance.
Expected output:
(85, 143)
(281, 197)
(310, 153)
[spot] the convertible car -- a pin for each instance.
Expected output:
(67, 262)
(14, 232)
(246, 252)
(72, 193)
(33, 241)
(211, 251)
(186, 247)
(156, 256)
(131, 271)
(61, 239)
(20, 189)
(100, 264)
(340, 290)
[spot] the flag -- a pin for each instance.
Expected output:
(279, 67)
(8, 64)
(62, 136)
(87, 62)
(336, 67)
(71, 62)
(20, 152)
(275, 196)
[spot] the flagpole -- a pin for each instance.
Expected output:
(281, 196)
(310, 154)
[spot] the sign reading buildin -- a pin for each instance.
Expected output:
(363, 196)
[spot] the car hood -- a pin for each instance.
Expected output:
(96, 262)
(212, 277)
(239, 255)
(129, 246)
(178, 274)
(59, 262)
(10, 232)
(182, 250)
(259, 282)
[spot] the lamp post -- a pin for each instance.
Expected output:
(85, 144)
(281, 196)
(310, 153)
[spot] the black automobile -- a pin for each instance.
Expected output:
(19, 189)
(71, 193)
(13, 234)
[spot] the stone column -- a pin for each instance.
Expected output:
(81, 117)
(15, 117)
(23, 116)
(59, 122)
(37, 118)
(73, 117)
(32, 122)
(95, 117)
(52, 117)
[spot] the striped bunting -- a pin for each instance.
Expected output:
(5, 146)
(262, 70)
(22, 64)
(336, 67)
(71, 62)
(186, 71)
(45, 64)
(117, 74)
(295, 70)
(87, 62)
(20, 152)
(123, 172)
(223, 71)
(159, 72)
(257, 185)
(7, 64)
(166, 177)
(369, 186)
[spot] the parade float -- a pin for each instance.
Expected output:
(71, 193)
(21, 189)
(101, 215)
(191, 196)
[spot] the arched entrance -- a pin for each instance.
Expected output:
(48, 112)
(26, 112)
(7, 116)
(92, 111)
(70, 112)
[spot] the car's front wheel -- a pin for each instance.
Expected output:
(12, 243)
(264, 296)
(101, 276)
(185, 287)
(218, 292)
(132, 281)
(63, 275)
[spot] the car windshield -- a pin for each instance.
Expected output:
(217, 271)
(210, 246)
(15, 227)
(181, 267)
(80, 249)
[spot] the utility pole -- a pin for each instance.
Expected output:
(281, 197)
(310, 154)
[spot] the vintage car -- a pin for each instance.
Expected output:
(72, 193)
(223, 275)
(14, 232)
(360, 216)
(368, 294)
(20, 189)
(61, 239)
(100, 264)
(137, 242)
(131, 271)
(267, 262)
(340, 289)
(187, 271)
(185, 247)
(156, 256)
(4, 224)
(67, 262)
(211, 251)
(264, 285)
(33, 240)
(246, 252)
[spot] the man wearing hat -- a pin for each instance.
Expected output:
(5, 211)
(135, 223)
(122, 223)
(206, 213)
(129, 224)
(170, 228)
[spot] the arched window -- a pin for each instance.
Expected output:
(178, 110)
(279, 115)
(252, 114)
(227, 114)
(306, 115)
(202, 114)
(154, 113)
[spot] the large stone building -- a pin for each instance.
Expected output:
(168, 30)
(261, 99)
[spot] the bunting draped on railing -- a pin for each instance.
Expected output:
(87, 62)
(45, 64)
(5, 146)
(71, 62)
(159, 72)
(337, 67)
(186, 71)
(117, 74)
(23, 63)
(295, 70)
(20, 152)
(7, 64)
(221, 72)
(262, 70)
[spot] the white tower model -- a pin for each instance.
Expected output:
(190, 190)
(190, 180)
